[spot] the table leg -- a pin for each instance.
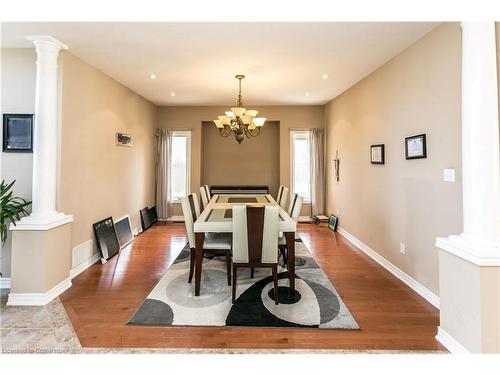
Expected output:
(199, 240)
(290, 245)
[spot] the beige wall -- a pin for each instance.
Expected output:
(18, 71)
(42, 259)
(253, 162)
(290, 117)
(405, 201)
(98, 178)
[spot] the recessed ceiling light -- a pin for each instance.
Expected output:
(307, 93)
(172, 94)
(324, 76)
(152, 76)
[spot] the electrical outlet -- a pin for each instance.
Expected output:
(402, 248)
(338, 211)
(449, 175)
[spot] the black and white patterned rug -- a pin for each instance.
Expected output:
(316, 304)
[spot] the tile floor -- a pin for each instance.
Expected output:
(36, 329)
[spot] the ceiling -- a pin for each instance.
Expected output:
(197, 61)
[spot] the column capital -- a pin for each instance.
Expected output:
(47, 40)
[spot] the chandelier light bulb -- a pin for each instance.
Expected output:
(251, 112)
(238, 111)
(259, 121)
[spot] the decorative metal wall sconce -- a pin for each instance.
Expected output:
(336, 164)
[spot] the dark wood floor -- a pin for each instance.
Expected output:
(390, 314)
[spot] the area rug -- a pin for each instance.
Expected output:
(316, 303)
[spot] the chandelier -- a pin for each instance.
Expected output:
(240, 121)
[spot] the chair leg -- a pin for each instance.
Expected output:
(228, 266)
(252, 272)
(191, 266)
(275, 279)
(235, 269)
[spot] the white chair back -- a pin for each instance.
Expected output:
(282, 196)
(205, 195)
(295, 207)
(191, 211)
(255, 234)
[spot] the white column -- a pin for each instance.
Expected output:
(480, 240)
(469, 263)
(480, 136)
(45, 143)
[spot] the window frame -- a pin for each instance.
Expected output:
(187, 134)
(306, 134)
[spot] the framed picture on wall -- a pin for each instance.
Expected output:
(17, 132)
(377, 154)
(123, 139)
(416, 147)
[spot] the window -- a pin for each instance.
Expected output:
(300, 168)
(179, 164)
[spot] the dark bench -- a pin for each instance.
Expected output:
(239, 189)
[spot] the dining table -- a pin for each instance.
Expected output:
(216, 217)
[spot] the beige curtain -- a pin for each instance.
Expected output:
(163, 154)
(317, 160)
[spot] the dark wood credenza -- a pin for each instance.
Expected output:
(239, 189)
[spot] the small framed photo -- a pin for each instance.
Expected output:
(332, 222)
(123, 139)
(416, 147)
(377, 154)
(17, 132)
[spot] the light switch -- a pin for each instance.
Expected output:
(448, 175)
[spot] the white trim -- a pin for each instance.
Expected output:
(136, 231)
(178, 218)
(467, 250)
(38, 299)
(75, 271)
(41, 223)
(4, 282)
(432, 298)
(450, 343)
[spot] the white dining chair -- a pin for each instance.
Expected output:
(215, 243)
(282, 196)
(294, 212)
(255, 241)
(205, 195)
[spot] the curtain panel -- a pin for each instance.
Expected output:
(317, 161)
(163, 156)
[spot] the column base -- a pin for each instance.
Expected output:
(41, 261)
(469, 288)
(32, 222)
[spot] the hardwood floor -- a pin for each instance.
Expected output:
(391, 315)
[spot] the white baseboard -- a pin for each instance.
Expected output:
(136, 231)
(432, 298)
(4, 282)
(450, 343)
(38, 299)
(178, 218)
(75, 271)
